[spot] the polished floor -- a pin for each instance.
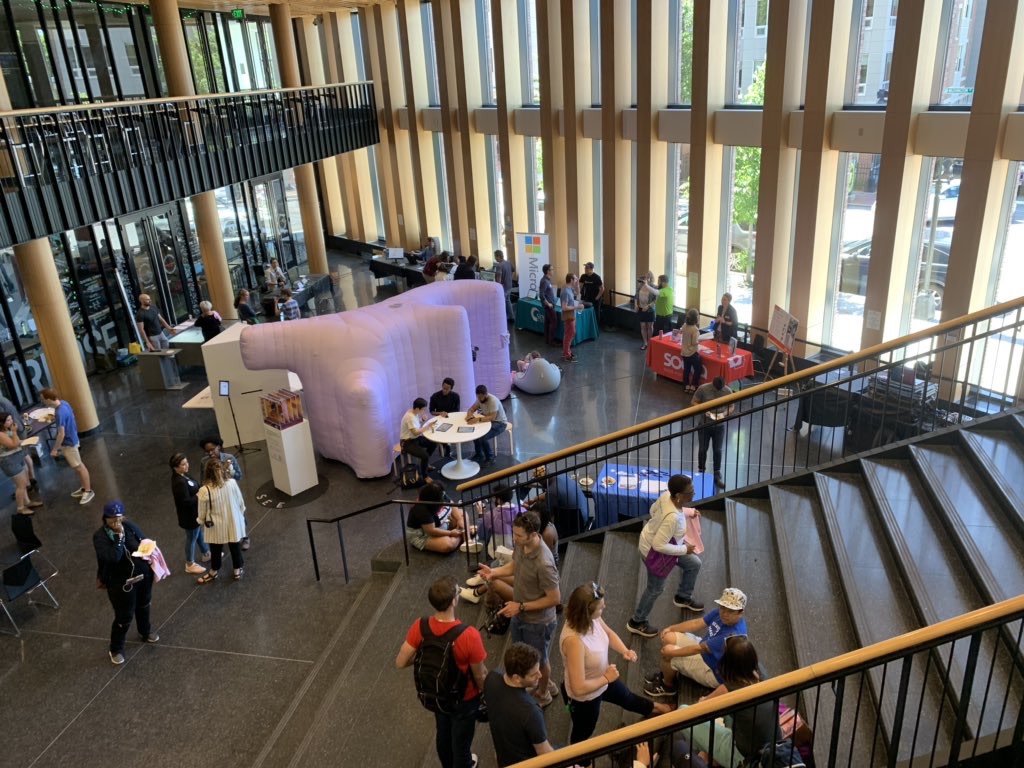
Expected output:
(235, 658)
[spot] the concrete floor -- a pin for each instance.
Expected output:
(234, 657)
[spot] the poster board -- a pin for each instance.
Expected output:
(782, 330)
(532, 255)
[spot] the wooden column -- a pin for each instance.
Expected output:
(178, 71)
(421, 148)
(787, 20)
(354, 166)
(511, 146)
(616, 149)
(305, 181)
(819, 164)
(549, 70)
(45, 294)
(978, 224)
(472, 145)
(579, 157)
(652, 171)
(312, 58)
(910, 81)
(401, 181)
(703, 265)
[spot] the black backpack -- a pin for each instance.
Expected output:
(780, 754)
(440, 684)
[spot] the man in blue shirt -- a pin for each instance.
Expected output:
(289, 306)
(698, 658)
(550, 304)
(66, 442)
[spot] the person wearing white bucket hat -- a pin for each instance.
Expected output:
(698, 658)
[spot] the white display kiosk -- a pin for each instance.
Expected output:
(292, 461)
(223, 359)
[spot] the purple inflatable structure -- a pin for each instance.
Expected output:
(361, 369)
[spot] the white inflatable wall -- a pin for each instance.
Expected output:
(361, 369)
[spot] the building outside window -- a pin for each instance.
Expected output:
(871, 48)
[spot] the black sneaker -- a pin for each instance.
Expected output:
(644, 630)
(659, 690)
(688, 603)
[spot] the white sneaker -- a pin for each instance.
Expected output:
(469, 595)
(475, 581)
(87, 497)
(78, 494)
(194, 568)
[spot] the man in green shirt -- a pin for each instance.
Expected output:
(663, 306)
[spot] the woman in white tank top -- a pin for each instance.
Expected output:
(589, 678)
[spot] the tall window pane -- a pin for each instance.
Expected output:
(681, 215)
(529, 52)
(430, 54)
(874, 30)
(858, 181)
(743, 169)
(488, 87)
(956, 66)
(1010, 271)
(749, 43)
(496, 191)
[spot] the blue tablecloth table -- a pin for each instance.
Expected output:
(530, 317)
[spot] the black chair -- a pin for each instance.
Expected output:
(760, 356)
(20, 578)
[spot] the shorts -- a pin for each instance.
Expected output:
(693, 667)
(13, 464)
(537, 636)
(417, 537)
(645, 315)
(71, 455)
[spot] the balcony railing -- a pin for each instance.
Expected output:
(72, 166)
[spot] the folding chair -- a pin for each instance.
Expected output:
(20, 578)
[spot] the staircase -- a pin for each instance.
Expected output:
(831, 560)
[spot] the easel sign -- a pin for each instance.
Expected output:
(782, 335)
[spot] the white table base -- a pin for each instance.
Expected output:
(460, 469)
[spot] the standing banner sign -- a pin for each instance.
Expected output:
(532, 255)
(782, 330)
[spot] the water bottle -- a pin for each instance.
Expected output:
(732, 346)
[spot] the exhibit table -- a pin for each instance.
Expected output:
(159, 370)
(399, 269)
(664, 359)
(188, 340)
(530, 317)
(453, 430)
(622, 490)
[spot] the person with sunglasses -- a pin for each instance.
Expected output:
(589, 678)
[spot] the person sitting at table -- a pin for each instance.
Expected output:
(432, 527)
(486, 408)
(725, 319)
(466, 270)
(414, 424)
(712, 429)
(444, 402)
(646, 295)
(208, 321)
(289, 306)
(246, 313)
(690, 351)
(275, 277)
(432, 261)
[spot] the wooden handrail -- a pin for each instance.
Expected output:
(800, 678)
(166, 100)
(767, 386)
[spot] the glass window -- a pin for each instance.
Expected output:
(743, 169)
(857, 187)
(870, 55)
(430, 54)
(529, 62)
(442, 192)
(681, 50)
(1010, 272)
(680, 225)
(749, 50)
(598, 206)
(956, 66)
(595, 53)
(497, 193)
(488, 87)
(535, 183)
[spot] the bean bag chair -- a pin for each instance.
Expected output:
(539, 379)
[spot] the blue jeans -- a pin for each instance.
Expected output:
(689, 565)
(483, 444)
(193, 537)
(454, 735)
(537, 636)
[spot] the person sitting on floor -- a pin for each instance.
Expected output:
(699, 658)
(433, 527)
(522, 365)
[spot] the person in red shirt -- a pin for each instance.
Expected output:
(454, 737)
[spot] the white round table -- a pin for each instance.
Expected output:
(461, 468)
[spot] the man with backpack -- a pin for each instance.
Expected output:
(447, 657)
